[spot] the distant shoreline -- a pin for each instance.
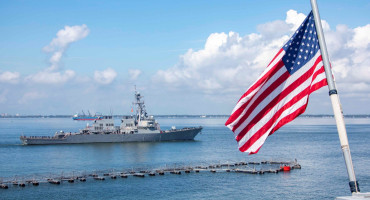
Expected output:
(176, 116)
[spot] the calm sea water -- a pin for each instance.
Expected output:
(312, 141)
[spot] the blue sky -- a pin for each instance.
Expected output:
(161, 46)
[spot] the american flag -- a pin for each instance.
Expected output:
(281, 92)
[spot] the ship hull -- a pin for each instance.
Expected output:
(171, 135)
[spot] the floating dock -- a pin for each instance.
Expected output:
(236, 167)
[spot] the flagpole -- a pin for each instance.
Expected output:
(338, 114)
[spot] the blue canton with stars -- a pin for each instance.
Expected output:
(302, 46)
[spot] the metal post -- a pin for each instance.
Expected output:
(338, 114)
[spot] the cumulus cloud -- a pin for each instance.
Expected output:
(105, 77)
(134, 73)
(274, 29)
(294, 18)
(361, 39)
(229, 60)
(57, 47)
(51, 77)
(349, 50)
(9, 77)
(60, 44)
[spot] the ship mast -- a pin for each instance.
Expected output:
(140, 107)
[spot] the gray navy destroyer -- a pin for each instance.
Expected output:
(137, 128)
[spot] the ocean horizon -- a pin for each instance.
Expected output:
(5, 115)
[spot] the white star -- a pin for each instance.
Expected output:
(310, 31)
(301, 50)
(305, 57)
(308, 44)
(294, 55)
(299, 56)
(306, 51)
(302, 43)
(311, 52)
(309, 38)
(298, 63)
(287, 60)
(311, 25)
(291, 68)
(295, 49)
(304, 37)
(288, 54)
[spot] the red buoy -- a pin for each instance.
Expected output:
(286, 168)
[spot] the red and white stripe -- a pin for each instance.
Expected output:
(275, 99)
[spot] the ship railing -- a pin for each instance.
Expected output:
(36, 137)
(186, 128)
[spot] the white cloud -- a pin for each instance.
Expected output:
(105, 77)
(134, 73)
(51, 77)
(274, 29)
(9, 77)
(349, 51)
(294, 18)
(229, 60)
(59, 44)
(66, 36)
(361, 39)
(54, 74)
